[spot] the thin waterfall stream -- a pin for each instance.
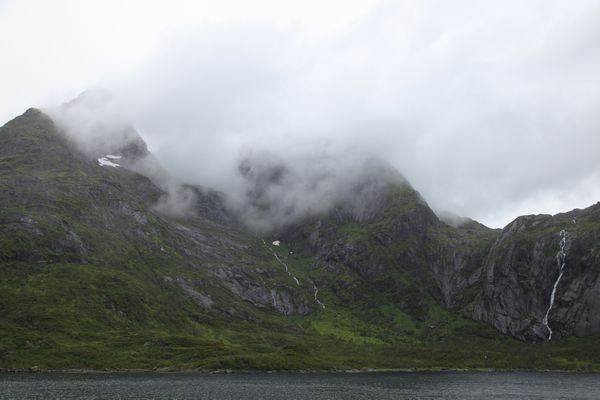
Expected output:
(315, 288)
(561, 258)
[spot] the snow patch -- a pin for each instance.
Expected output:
(276, 243)
(105, 161)
(112, 157)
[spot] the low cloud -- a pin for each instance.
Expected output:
(95, 124)
(489, 110)
(277, 191)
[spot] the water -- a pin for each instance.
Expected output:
(316, 290)
(372, 386)
(561, 262)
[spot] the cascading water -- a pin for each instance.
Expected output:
(317, 295)
(287, 269)
(280, 261)
(561, 257)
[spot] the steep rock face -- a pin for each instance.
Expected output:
(381, 248)
(393, 240)
(522, 268)
(456, 257)
(60, 206)
(398, 246)
(385, 243)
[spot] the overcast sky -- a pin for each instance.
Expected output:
(489, 109)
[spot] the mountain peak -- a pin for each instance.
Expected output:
(282, 191)
(359, 259)
(94, 123)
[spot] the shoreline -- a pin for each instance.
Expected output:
(166, 371)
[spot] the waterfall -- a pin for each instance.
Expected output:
(561, 257)
(281, 262)
(316, 289)
(286, 269)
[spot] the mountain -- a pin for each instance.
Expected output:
(106, 262)
(522, 269)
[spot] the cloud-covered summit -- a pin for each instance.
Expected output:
(268, 190)
(488, 109)
(279, 191)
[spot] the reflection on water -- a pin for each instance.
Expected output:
(374, 386)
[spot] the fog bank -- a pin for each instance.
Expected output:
(489, 110)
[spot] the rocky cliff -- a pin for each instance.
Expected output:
(108, 261)
(522, 269)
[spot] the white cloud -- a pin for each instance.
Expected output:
(489, 109)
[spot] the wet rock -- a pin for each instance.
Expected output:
(520, 272)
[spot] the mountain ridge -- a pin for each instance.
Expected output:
(97, 276)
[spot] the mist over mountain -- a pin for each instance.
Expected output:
(109, 252)
(267, 190)
(300, 186)
(488, 111)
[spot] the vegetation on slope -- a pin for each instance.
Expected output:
(94, 277)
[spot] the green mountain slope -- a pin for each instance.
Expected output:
(96, 274)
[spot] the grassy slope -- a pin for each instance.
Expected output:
(115, 304)
(58, 319)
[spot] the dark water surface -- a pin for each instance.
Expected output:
(373, 386)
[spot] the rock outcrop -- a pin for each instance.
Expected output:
(521, 269)
(380, 246)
